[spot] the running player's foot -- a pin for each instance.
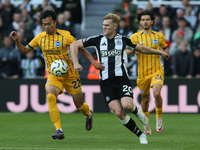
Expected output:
(58, 135)
(147, 129)
(142, 117)
(143, 139)
(89, 122)
(159, 124)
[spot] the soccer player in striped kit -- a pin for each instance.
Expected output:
(114, 80)
(150, 68)
(54, 44)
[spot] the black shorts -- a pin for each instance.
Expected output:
(116, 88)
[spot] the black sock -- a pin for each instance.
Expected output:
(135, 111)
(133, 127)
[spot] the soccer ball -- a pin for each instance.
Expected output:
(59, 68)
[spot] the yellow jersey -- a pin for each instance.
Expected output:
(55, 47)
(148, 64)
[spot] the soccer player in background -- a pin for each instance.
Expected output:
(150, 69)
(54, 45)
(114, 80)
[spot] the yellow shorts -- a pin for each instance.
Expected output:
(72, 85)
(146, 83)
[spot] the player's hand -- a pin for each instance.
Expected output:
(99, 65)
(78, 67)
(14, 35)
(165, 55)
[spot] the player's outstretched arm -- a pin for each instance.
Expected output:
(88, 56)
(148, 50)
(74, 54)
(23, 50)
(76, 47)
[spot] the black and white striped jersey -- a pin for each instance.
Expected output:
(112, 53)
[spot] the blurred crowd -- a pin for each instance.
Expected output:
(180, 26)
(24, 19)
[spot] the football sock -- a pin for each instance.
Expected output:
(129, 123)
(147, 114)
(59, 129)
(135, 109)
(158, 112)
(84, 109)
(53, 111)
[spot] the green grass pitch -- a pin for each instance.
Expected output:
(32, 131)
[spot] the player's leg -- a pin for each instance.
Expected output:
(73, 86)
(157, 83)
(144, 86)
(145, 107)
(145, 104)
(52, 93)
(84, 109)
(129, 105)
(128, 122)
(125, 92)
(158, 102)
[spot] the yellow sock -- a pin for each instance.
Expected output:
(53, 111)
(158, 112)
(147, 114)
(84, 109)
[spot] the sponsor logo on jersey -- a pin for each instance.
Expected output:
(155, 41)
(57, 44)
(110, 53)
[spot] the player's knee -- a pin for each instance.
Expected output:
(128, 107)
(156, 94)
(120, 114)
(145, 101)
(51, 98)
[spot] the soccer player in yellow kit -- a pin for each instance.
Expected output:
(150, 69)
(54, 45)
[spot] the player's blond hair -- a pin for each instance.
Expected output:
(115, 18)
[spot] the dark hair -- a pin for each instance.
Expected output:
(48, 13)
(182, 19)
(145, 12)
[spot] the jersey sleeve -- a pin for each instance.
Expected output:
(90, 41)
(163, 43)
(70, 39)
(133, 38)
(130, 44)
(34, 43)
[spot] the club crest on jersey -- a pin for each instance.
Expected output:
(155, 41)
(119, 42)
(57, 44)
